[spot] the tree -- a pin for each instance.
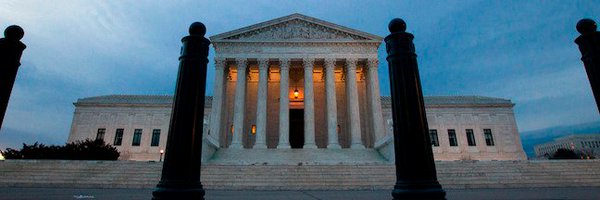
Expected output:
(79, 150)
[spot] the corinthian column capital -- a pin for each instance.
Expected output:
(373, 63)
(284, 63)
(308, 62)
(220, 63)
(329, 62)
(263, 63)
(241, 62)
(351, 62)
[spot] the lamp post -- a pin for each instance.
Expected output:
(415, 169)
(11, 49)
(161, 154)
(180, 177)
(589, 46)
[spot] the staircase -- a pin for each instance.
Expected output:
(451, 174)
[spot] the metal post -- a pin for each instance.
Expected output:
(161, 155)
(11, 50)
(181, 167)
(589, 45)
(415, 169)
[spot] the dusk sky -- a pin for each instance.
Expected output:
(518, 50)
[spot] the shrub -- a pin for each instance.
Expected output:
(79, 150)
(565, 154)
(91, 150)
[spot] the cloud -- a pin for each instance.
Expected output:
(522, 50)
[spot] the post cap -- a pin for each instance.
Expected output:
(14, 32)
(198, 29)
(585, 26)
(397, 25)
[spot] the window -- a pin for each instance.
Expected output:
(155, 137)
(489, 139)
(452, 137)
(434, 138)
(100, 134)
(137, 137)
(470, 137)
(118, 137)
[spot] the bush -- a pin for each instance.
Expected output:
(79, 150)
(565, 154)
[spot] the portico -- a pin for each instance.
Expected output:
(270, 73)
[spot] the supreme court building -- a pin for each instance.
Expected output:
(298, 84)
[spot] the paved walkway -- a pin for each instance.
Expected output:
(526, 193)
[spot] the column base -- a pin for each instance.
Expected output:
(165, 191)
(284, 146)
(236, 146)
(334, 146)
(432, 191)
(309, 146)
(259, 146)
(357, 146)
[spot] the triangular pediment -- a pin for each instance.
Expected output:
(295, 28)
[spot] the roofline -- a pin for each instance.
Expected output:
(218, 37)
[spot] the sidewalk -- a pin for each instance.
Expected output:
(525, 193)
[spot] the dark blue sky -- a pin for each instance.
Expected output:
(520, 50)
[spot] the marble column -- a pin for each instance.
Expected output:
(374, 99)
(309, 105)
(353, 109)
(284, 103)
(216, 114)
(238, 109)
(261, 105)
(331, 105)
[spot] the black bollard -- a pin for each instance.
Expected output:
(181, 167)
(589, 45)
(11, 50)
(415, 169)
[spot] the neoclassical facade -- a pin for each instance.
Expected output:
(297, 82)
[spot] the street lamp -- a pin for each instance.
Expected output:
(161, 154)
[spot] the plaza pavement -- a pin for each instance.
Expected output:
(583, 193)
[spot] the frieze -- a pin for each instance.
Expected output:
(295, 29)
(227, 49)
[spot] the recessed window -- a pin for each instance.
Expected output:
(100, 134)
(137, 137)
(452, 137)
(118, 137)
(470, 137)
(489, 138)
(434, 138)
(155, 137)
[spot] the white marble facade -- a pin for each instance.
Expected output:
(306, 83)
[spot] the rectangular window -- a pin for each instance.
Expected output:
(434, 138)
(100, 134)
(452, 137)
(489, 139)
(470, 137)
(137, 137)
(155, 137)
(118, 137)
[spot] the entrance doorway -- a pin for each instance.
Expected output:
(296, 128)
